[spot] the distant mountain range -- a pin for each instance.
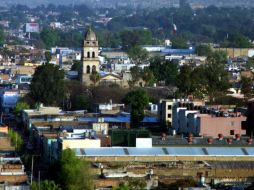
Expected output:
(133, 3)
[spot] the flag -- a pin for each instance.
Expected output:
(174, 28)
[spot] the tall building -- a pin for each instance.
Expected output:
(90, 60)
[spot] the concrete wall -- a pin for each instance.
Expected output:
(186, 123)
(166, 111)
(212, 126)
(193, 126)
(13, 178)
(176, 117)
(236, 52)
(165, 158)
(5, 144)
(80, 143)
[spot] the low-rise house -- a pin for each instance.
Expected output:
(183, 117)
(210, 125)
(111, 79)
(168, 110)
(8, 98)
(108, 108)
(12, 171)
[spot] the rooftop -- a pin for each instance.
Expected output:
(199, 141)
(168, 151)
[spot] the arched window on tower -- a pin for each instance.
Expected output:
(88, 54)
(93, 54)
(93, 68)
(88, 69)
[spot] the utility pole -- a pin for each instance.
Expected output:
(39, 180)
(16, 139)
(32, 168)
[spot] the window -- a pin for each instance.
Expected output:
(169, 107)
(232, 123)
(232, 132)
(88, 54)
(88, 69)
(169, 115)
(93, 54)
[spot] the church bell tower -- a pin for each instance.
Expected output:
(90, 60)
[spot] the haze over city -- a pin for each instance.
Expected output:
(131, 3)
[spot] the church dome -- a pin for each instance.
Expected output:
(90, 35)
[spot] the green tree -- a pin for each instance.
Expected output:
(45, 185)
(217, 57)
(215, 79)
(79, 102)
(250, 63)
(148, 77)
(164, 70)
(131, 38)
(137, 101)
(49, 37)
(169, 72)
(184, 80)
(136, 75)
(131, 185)
(108, 39)
(122, 186)
(155, 67)
(76, 66)
(74, 173)
(203, 50)
(70, 38)
(48, 86)
(2, 36)
(208, 80)
(246, 86)
(16, 139)
(138, 54)
(237, 40)
(21, 105)
(199, 82)
(95, 77)
(48, 56)
(179, 43)
(137, 184)
(181, 183)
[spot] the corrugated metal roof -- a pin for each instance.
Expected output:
(185, 151)
(146, 151)
(250, 151)
(119, 119)
(166, 151)
(178, 51)
(100, 152)
(225, 151)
